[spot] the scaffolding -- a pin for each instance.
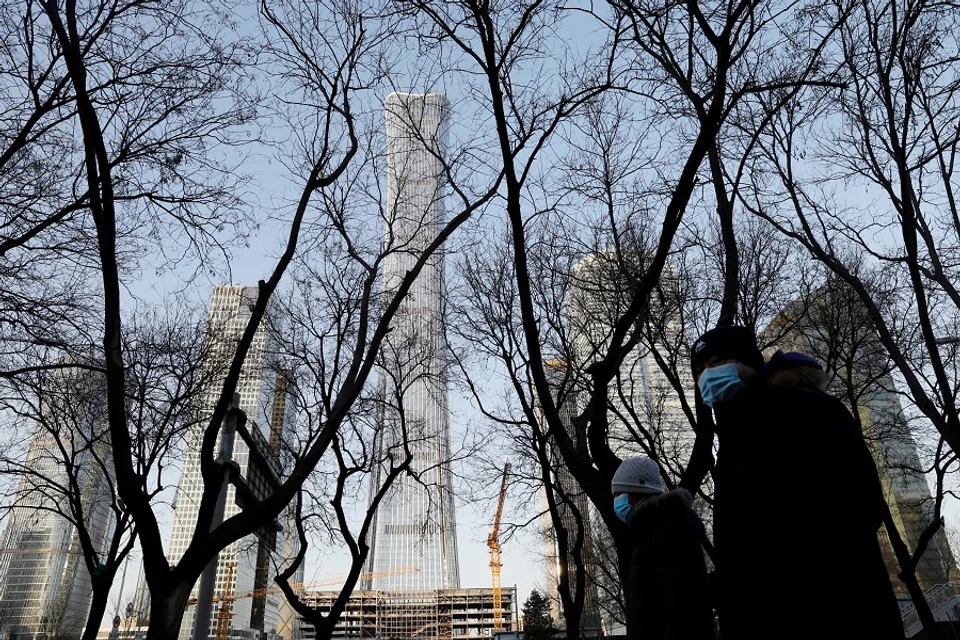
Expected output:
(414, 615)
(441, 614)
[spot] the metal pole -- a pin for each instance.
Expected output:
(123, 580)
(115, 632)
(201, 625)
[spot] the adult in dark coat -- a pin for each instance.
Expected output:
(666, 592)
(798, 501)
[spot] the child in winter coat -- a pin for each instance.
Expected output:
(666, 591)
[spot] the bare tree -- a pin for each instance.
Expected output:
(68, 470)
(686, 64)
(375, 447)
(357, 542)
(181, 73)
(892, 136)
(704, 86)
(148, 79)
(893, 62)
(364, 455)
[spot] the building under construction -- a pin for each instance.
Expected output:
(464, 614)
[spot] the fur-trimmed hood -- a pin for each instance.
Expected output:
(792, 370)
(655, 507)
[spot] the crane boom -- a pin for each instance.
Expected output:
(494, 534)
(493, 543)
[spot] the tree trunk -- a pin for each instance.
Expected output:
(322, 628)
(570, 601)
(701, 458)
(731, 256)
(98, 607)
(571, 618)
(909, 577)
(166, 613)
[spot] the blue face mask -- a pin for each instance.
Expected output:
(721, 383)
(622, 506)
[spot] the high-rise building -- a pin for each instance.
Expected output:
(263, 389)
(575, 517)
(645, 413)
(644, 405)
(835, 329)
(45, 587)
(415, 524)
(141, 600)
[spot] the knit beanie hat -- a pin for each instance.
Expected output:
(637, 475)
(726, 342)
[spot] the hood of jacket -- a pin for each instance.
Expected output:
(792, 370)
(783, 371)
(654, 508)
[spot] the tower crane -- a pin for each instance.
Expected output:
(223, 618)
(493, 542)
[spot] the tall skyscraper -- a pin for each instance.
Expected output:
(141, 600)
(44, 583)
(644, 405)
(835, 329)
(415, 525)
(645, 412)
(243, 566)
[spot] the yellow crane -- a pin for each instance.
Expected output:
(223, 618)
(493, 542)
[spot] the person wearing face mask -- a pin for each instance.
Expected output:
(666, 591)
(797, 500)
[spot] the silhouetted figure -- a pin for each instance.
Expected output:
(666, 591)
(798, 501)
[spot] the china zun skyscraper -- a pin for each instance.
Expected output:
(414, 544)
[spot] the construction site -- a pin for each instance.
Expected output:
(384, 614)
(437, 614)
(465, 614)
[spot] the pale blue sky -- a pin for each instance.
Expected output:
(272, 189)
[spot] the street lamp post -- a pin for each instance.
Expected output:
(259, 464)
(201, 624)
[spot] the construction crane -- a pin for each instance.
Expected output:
(493, 542)
(367, 575)
(223, 618)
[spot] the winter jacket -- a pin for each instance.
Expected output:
(798, 503)
(666, 595)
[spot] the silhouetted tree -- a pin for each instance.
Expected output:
(537, 622)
